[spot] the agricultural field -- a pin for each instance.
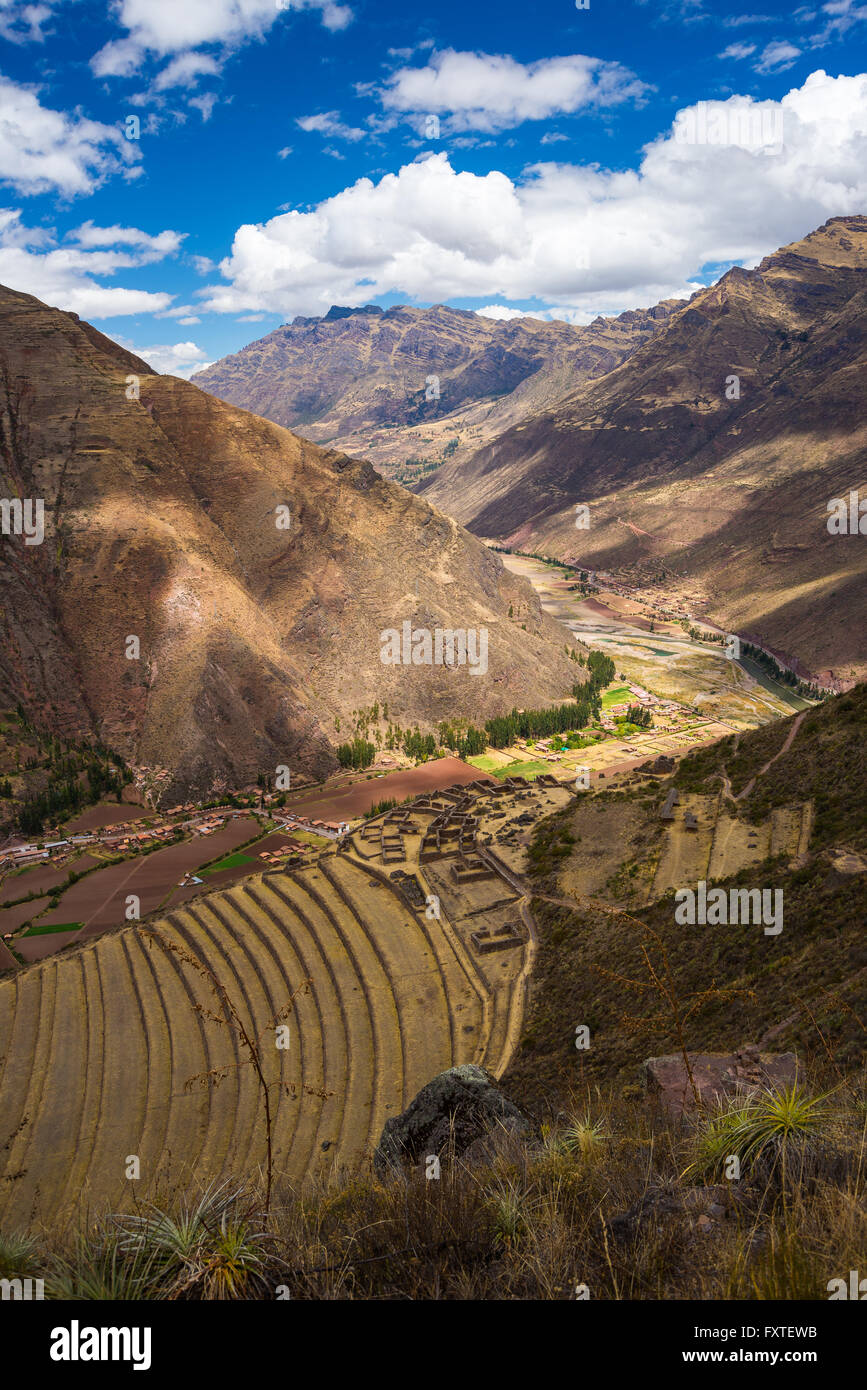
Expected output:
(617, 695)
(657, 653)
(376, 998)
(98, 900)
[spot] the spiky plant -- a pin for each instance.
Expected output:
(206, 1249)
(765, 1132)
(507, 1206)
(100, 1268)
(584, 1137)
(233, 1261)
(18, 1255)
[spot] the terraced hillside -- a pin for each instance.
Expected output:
(123, 1048)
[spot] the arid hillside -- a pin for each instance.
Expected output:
(408, 388)
(210, 590)
(710, 456)
(778, 809)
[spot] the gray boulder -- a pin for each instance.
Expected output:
(450, 1115)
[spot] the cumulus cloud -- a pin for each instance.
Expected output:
(583, 237)
(43, 151)
(186, 70)
(489, 92)
(159, 28)
(64, 276)
(147, 248)
(501, 312)
(173, 359)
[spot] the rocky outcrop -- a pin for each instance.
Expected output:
(455, 1114)
(844, 866)
(716, 1075)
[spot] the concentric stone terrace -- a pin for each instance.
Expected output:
(122, 1048)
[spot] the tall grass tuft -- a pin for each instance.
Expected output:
(768, 1132)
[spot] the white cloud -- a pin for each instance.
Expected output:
(158, 28)
(178, 311)
(43, 150)
(738, 50)
(329, 123)
(583, 237)
(63, 276)
(185, 71)
(737, 21)
(22, 23)
(204, 104)
(777, 57)
(842, 15)
(488, 92)
(189, 319)
(174, 359)
(148, 248)
(501, 312)
(336, 17)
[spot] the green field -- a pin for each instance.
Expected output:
(615, 695)
(521, 769)
(231, 861)
(49, 928)
(485, 763)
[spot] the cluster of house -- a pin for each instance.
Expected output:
(330, 829)
(57, 851)
(282, 852)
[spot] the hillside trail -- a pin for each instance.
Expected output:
(787, 743)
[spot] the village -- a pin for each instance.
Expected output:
(609, 749)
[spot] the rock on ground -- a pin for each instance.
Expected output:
(451, 1114)
(716, 1075)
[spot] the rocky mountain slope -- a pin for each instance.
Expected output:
(709, 457)
(210, 591)
(408, 388)
(800, 986)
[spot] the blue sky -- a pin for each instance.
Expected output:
(503, 158)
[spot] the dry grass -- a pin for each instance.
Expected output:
(606, 1197)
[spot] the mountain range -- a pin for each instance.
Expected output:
(696, 448)
(211, 591)
(408, 388)
(708, 459)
